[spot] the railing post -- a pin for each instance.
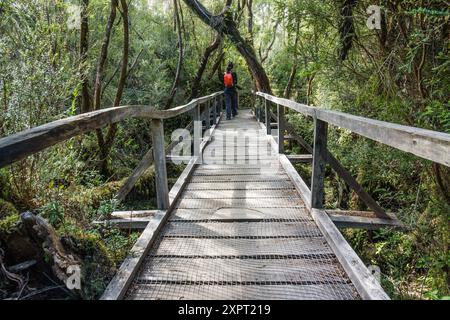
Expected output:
(319, 163)
(281, 128)
(261, 110)
(258, 108)
(266, 107)
(215, 110)
(159, 156)
(198, 128)
(208, 115)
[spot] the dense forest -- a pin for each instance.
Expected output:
(60, 58)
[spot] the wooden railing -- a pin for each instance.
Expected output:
(23, 144)
(427, 144)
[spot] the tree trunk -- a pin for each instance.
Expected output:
(250, 19)
(206, 55)
(99, 78)
(290, 84)
(225, 24)
(84, 47)
(347, 28)
(104, 55)
(180, 56)
(121, 85)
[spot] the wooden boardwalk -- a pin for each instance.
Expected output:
(240, 230)
(241, 223)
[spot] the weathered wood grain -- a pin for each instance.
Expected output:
(427, 144)
(319, 162)
(20, 145)
(364, 281)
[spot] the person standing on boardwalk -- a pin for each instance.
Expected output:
(231, 99)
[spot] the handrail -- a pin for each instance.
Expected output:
(20, 145)
(427, 144)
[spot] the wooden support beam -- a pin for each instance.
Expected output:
(207, 116)
(145, 164)
(300, 158)
(159, 154)
(130, 224)
(281, 128)
(133, 214)
(319, 162)
(214, 107)
(343, 174)
(362, 194)
(198, 132)
(267, 120)
(344, 221)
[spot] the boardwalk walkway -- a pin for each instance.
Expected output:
(240, 230)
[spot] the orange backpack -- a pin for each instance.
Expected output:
(228, 80)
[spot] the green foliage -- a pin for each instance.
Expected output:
(8, 225)
(7, 209)
(54, 213)
(106, 208)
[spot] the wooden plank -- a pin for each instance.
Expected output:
(133, 224)
(241, 185)
(300, 158)
(243, 292)
(159, 155)
(319, 162)
(241, 270)
(239, 171)
(237, 178)
(237, 228)
(238, 194)
(281, 128)
(246, 202)
(20, 145)
(354, 222)
(267, 116)
(241, 214)
(427, 144)
(134, 214)
(366, 284)
(193, 247)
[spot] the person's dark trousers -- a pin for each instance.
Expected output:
(229, 98)
(234, 104)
